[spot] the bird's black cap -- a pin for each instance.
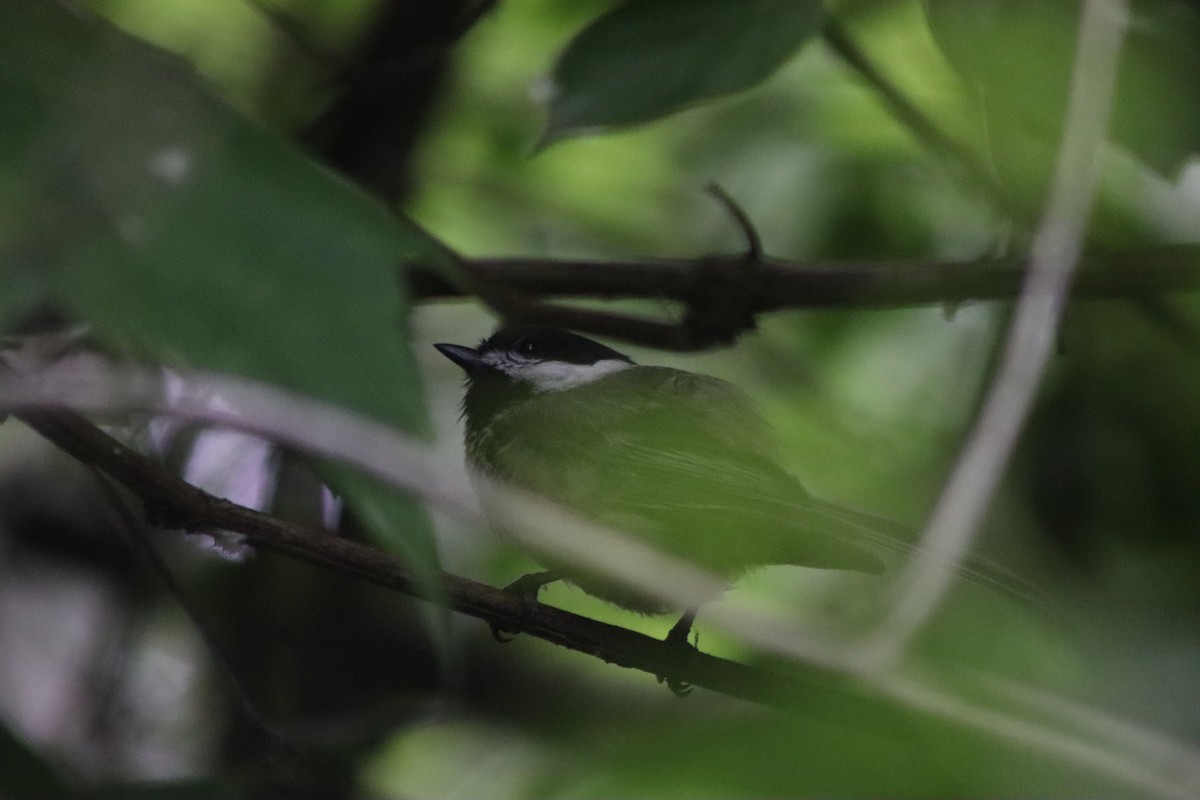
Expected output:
(529, 343)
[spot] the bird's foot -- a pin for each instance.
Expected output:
(526, 588)
(677, 638)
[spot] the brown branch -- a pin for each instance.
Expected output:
(172, 503)
(723, 294)
(827, 285)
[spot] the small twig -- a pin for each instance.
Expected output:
(754, 248)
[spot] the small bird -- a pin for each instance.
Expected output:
(679, 460)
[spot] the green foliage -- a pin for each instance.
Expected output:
(838, 743)
(172, 224)
(198, 789)
(1017, 54)
(25, 773)
(134, 198)
(648, 58)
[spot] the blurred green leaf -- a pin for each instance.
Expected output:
(24, 773)
(174, 225)
(195, 789)
(649, 58)
(840, 742)
(1018, 55)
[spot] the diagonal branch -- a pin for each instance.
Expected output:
(172, 503)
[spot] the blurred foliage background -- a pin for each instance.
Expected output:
(272, 266)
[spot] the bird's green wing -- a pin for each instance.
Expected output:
(682, 461)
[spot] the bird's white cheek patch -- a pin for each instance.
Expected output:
(555, 376)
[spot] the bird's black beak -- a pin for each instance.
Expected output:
(466, 357)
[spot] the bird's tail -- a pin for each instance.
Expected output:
(886, 537)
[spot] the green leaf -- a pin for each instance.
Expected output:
(151, 209)
(1019, 53)
(841, 743)
(185, 789)
(24, 773)
(649, 58)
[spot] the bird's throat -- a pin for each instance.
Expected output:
(487, 397)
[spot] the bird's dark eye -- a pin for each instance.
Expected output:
(529, 347)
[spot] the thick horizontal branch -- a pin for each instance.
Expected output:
(772, 285)
(173, 503)
(723, 296)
